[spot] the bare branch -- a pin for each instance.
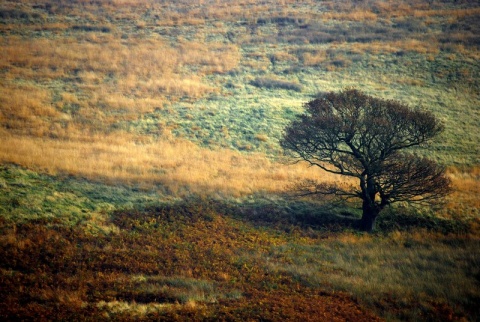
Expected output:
(352, 134)
(311, 188)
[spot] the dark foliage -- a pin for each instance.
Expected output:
(87, 28)
(276, 84)
(359, 136)
(19, 15)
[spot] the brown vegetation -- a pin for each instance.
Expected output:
(177, 270)
(164, 263)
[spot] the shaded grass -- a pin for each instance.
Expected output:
(28, 196)
(404, 276)
(163, 261)
(275, 83)
(328, 217)
(208, 259)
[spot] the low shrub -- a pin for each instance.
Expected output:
(270, 83)
(88, 28)
(15, 14)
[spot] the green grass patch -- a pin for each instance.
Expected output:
(28, 196)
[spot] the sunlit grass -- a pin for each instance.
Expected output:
(176, 166)
(113, 112)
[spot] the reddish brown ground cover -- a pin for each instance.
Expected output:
(53, 272)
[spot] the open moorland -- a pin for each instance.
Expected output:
(141, 176)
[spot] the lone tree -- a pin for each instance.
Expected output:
(353, 134)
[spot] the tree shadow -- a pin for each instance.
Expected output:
(410, 218)
(334, 216)
(287, 215)
(337, 217)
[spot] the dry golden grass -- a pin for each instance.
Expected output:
(30, 113)
(101, 55)
(466, 191)
(315, 58)
(348, 10)
(178, 166)
(453, 13)
(408, 45)
(284, 57)
(106, 73)
(17, 105)
(357, 15)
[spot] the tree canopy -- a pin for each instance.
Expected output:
(353, 134)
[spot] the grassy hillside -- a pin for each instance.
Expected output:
(75, 250)
(141, 175)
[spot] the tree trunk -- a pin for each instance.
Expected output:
(370, 213)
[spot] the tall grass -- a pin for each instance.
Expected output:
(177, 166)
(106, 54)
(464, 201)
(425, 275)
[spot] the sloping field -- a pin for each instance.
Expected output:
(141, 176)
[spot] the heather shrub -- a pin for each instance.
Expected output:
(270, 83)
